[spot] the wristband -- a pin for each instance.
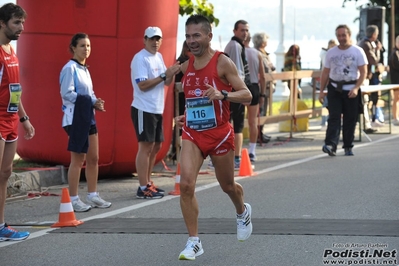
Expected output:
(24, 118)
(262, 95)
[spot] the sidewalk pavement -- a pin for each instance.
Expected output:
(283, 147)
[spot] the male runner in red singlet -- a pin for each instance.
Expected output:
(12, 112)
(208, 80)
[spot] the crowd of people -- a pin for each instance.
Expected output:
(211, 114)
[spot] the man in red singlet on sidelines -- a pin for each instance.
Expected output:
(208, 79)
(12, 112)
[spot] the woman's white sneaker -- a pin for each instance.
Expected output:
(80, 206)
(98, 202)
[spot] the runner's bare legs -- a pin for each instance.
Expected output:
(191, 160)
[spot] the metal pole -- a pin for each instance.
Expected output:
(392, 24)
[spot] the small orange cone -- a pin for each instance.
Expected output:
(177, 182)
(245, 165)
(66, 216)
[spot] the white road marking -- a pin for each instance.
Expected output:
(198, 189)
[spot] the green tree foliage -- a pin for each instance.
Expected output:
(200, 7)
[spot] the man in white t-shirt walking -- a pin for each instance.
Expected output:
(149, 75)
(344, 72)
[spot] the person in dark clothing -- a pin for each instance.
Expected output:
(393, 62)
(372, 48)
(292, 62)
(184, 56)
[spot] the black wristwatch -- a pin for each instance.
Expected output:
(262, 95)
(225, 94)
(24, 118)
(163, 76)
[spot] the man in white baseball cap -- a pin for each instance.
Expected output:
(149, 76)
(152, 31)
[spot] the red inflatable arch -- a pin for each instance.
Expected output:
(116, 31)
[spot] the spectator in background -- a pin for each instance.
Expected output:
(260, 42)
(183, 57)
(292, 62)
(343, 74)
(258, 90)
(149, 76)
(78, 104)
(331, 44)
(236, 51)
(372, 47)
(393, 62)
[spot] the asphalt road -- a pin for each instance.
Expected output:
(294, 182)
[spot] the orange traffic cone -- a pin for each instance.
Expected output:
(177, 182)
(245, 165)
(66, 216)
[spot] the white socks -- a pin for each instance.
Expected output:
(74, 198)
(242, 214)
(194, 238)
(92, 194)
(252, 147)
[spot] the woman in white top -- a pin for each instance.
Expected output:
(77, 94)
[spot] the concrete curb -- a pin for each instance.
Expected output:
(21, 183)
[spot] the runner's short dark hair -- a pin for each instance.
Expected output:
(200, 19)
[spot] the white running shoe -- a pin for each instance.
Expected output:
(98, 202)
(80, 206)
(192, 250)
(244, 224)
